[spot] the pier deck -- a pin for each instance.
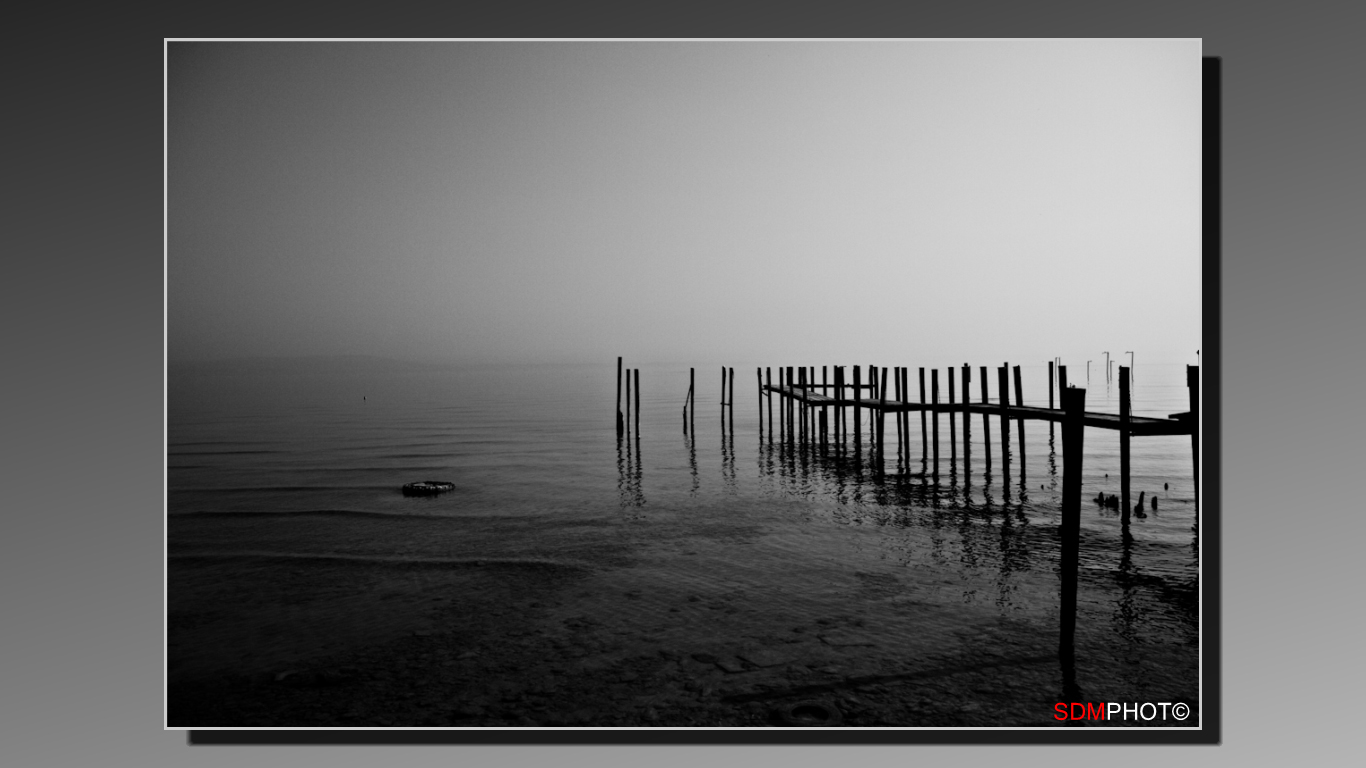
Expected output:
(1176, 424)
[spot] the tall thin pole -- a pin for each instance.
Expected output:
(1193, 390)
(637, 403)
(1020, 423)
(953, 422)
(881, 419)
(986, 420)
(1073, 432)
(621, 425)
(924, 430)
(1125, 415)
(934, 400)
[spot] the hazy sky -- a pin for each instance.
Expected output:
(787, 203)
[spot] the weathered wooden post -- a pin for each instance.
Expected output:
(1020, 423)
(1073, 432)
(1062, 379)
(896, 389)
(637, 403)
(986, 419)
(628, 401)
(758, 377)
(858, 410)
(768, 379)
(1050, 385)
(731, 399)
(881, 420)
(839, 405)
(1003, 385)
(1125, 417)
(1193, 390)
(953, 423)
(934, 403)
(825, 390)
(967, 422)
(924, 428)
(621, 424)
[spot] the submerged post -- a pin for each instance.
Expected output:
(637, 403)
(1125, 417)
(628, 399)
(924, 431)
(1073, 431)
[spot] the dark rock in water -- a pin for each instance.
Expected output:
(427, 488)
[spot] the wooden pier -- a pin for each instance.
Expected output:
(816, 417)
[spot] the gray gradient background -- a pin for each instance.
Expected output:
(81, 571)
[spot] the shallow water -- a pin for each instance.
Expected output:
(787, 535)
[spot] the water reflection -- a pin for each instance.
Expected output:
(630, 471)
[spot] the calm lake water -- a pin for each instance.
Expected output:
(539, 441)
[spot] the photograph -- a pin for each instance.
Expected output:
(688, 390)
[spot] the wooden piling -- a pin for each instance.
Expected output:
(759, 377)
(986, 420)
(801, 407)
(934, 401)
(953, 423)
(881, 419)
(1020, 423)
(621, 424)
(1050, 386)
(791, 406)
(731, 400)
(768, 378)
(637, 403)
(1193, 390)
(858, 410)
(924, 430)
(1125, 414)
(825, 390)
(967, 421)
(1073, 432)
(1062, 379)
(906, 415)
(900, 398)
(1003, 387)
(839, 409)
(628, 400)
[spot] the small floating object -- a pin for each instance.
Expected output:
(427, 488)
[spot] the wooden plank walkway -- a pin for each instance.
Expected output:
(1176, 424)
